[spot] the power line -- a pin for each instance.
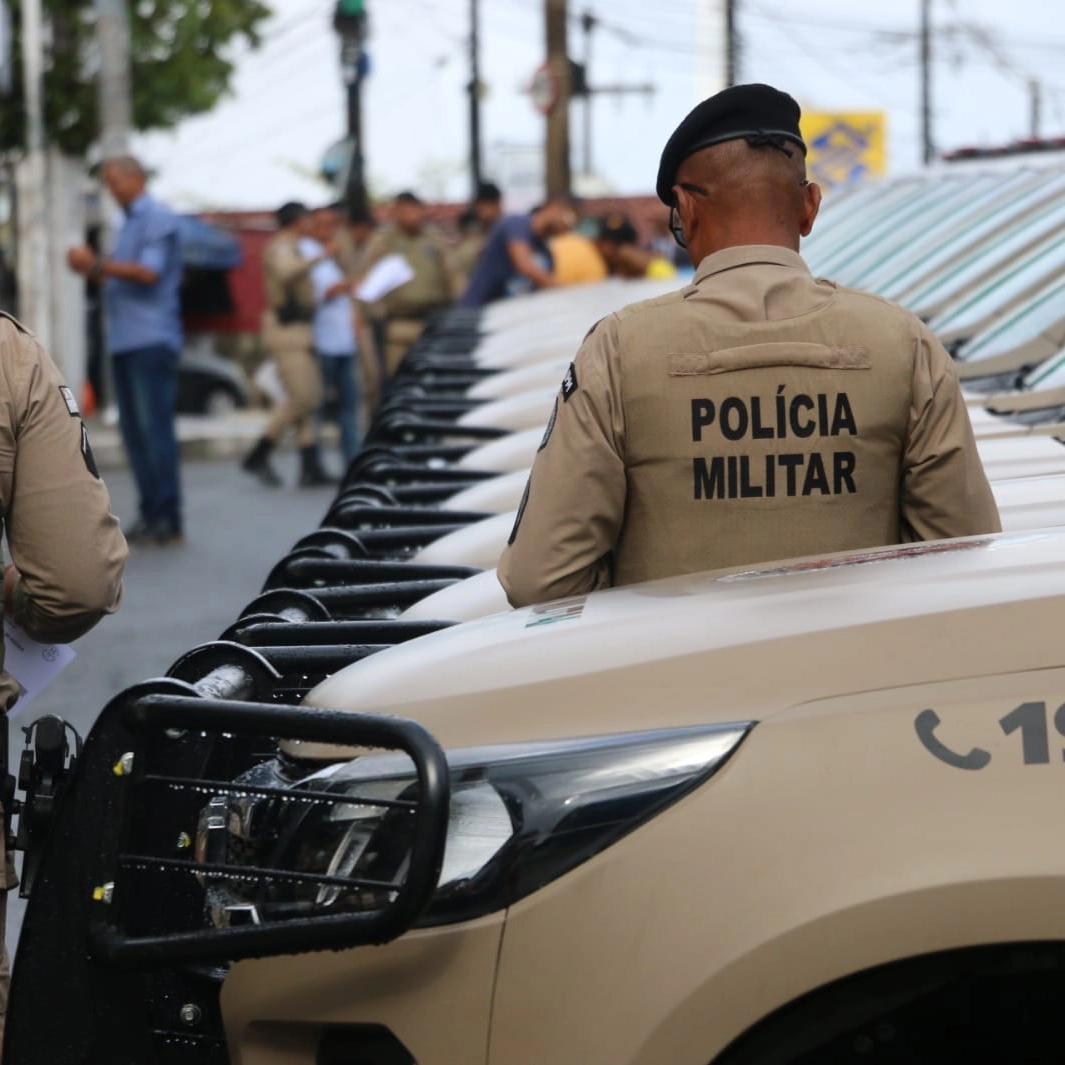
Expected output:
(900, 32)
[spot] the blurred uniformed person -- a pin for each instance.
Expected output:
(288, 338)
(435, 283)
(67, 550)
(354, 245)
(475, 225)
(757, 414)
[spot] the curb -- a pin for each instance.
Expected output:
(199, 438)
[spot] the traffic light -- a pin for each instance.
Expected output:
(349, 17)
(578, 79)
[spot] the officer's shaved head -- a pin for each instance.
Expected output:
(747, 195)
(735, 164)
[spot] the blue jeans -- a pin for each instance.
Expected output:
(338, 376)
(145, 381)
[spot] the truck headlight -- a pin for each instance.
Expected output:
(521, 815)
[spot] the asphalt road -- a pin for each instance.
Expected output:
(178, 597)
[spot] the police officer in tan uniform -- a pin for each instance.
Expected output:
(435, 283)
(287, 337)
(757, 414)
(67, 549)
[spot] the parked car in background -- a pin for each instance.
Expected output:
(209, 383)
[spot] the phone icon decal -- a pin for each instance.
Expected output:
(926, 723)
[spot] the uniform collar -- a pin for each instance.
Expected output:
(749, 255)
(138, 206)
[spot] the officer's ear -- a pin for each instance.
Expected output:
(687, 215)
(811, 204)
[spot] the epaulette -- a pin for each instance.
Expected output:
(15, 322)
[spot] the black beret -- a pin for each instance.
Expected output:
(759, 114)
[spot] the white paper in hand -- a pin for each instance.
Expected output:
(34, 665)
(383, 277)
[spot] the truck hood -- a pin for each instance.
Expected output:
(730, 645)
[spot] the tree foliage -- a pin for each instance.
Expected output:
(178, 51)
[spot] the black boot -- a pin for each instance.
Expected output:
(257, 463)
(312, 474)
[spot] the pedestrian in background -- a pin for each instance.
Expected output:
(353, 240)
(476, 225)
(517, 256)
(142, 305)
(616, 240)
(369, 333)
(67, 549)
(288, 338)
(335, 342)
(435, 281)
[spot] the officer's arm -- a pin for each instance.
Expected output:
(568, 524)
(289, 266)
(65, 543)
(944, 488)
(454, 275)
(376, 249)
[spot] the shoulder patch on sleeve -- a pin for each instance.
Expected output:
(69, 400)
(569, 382)
(86, 453)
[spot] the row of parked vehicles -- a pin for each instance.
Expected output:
(799, 812)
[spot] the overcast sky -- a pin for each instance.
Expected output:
(261, 145)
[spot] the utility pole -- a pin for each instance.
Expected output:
(349, 20)
(928, 146)
(475, 98)
(1035, 96)
(558, 169)
(35, 290)
(113, 88)
(588, 23)
(712, 37)
(582, 88)
(732, 44)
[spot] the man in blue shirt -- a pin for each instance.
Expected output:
(335, 341)
(142, 282)
(516, 256)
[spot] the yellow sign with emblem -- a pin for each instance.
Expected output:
(844, 146)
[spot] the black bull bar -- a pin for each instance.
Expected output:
(117, 961)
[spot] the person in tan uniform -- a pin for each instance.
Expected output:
(67, 549)
(287, 337)
(435, 283)
(354, 240)
(475, 225)
(758, 413)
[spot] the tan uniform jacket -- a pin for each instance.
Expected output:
(756, 414)
(64, 540)
(287, 275)
(435, 282)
